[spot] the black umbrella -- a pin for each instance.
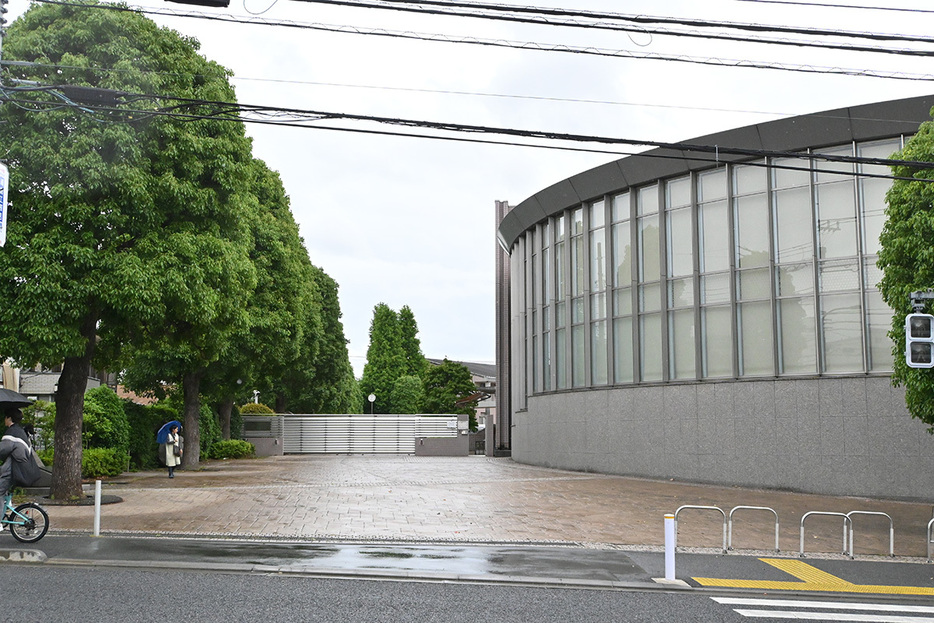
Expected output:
(9, 398)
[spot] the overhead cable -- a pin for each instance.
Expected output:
(544, 98)
(542, 47)
(175, 112)
(841, 6)
(205, 109)
(641, 19)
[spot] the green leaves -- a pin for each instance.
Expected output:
(906, 258)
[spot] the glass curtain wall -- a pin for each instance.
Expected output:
(838, 265)
(713, 225)
(793, 218)
(578, 326)
(623, 249)
(752, 250)
(598, 285)
(649, 285)
(561, 313)
(680, 294)
(757, 269)
(878, 315)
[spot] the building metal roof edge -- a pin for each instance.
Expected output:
(832, 127)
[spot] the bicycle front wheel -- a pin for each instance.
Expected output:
(30, 522)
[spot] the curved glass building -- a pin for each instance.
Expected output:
(713, 316)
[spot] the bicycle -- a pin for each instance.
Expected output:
(27, 522)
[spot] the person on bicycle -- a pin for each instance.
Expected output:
(18, 466)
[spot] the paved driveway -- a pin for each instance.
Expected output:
(476, 499)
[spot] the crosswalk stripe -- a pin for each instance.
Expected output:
(832, 616)
(833, 605)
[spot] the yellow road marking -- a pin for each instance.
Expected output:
(811, 579)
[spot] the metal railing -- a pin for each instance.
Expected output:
(694, 507)
(729, 540)
(891, 529)
(846, 526)
(848, 530)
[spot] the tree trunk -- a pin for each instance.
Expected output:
(191, 386)
(281, 403)
(69, 417)
(223, 410)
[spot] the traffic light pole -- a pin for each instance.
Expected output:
(918, 297)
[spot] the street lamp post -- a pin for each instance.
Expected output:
(372, 399)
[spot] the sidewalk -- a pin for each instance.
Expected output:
(473, 499)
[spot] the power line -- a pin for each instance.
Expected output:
(445, 11)
(500, 43)
(545, 98)
(840, 6)
(292, 117)
(642, 19)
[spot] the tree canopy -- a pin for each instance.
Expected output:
(906, 258)
(107, 209)
(385, 360)
(449, 388)
(139, 241)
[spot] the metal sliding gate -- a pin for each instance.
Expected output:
(360, 434)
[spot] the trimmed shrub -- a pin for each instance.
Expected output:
(236, 423)
(105, 422)
(209, 429)
(95, 462)
(232, 449)
(256, 408)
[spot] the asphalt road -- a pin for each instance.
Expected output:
(545, 565)
(52, 594)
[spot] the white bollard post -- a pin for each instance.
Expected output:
(670, 545)
(97, 508)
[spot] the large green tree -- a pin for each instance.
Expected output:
(283, 311)
(415, 362)
(906, 258)
(385, 361)
(117, 220)
(449, 388)
(329, 384)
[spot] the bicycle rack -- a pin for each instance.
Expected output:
(930, 525)
(891, 530)
(711, 508)
(729, 541)
(846, 524)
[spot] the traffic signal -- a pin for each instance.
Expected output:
(919, 340)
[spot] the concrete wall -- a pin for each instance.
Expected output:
(266, 446)
(846, 436)
(442, 446)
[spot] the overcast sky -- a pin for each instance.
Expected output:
(409, 221)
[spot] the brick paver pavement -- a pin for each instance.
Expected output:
(475, 499)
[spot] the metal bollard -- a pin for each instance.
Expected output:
(97, 508)
(670, 544)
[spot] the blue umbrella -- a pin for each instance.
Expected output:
(163, 433)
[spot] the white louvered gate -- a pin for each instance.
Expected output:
(356, 434)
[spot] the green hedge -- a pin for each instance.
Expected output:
(95, 462)
(232, 449)
(256, 408)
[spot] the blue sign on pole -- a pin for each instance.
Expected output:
(4, 183)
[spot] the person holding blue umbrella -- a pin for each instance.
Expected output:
(168, 435)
